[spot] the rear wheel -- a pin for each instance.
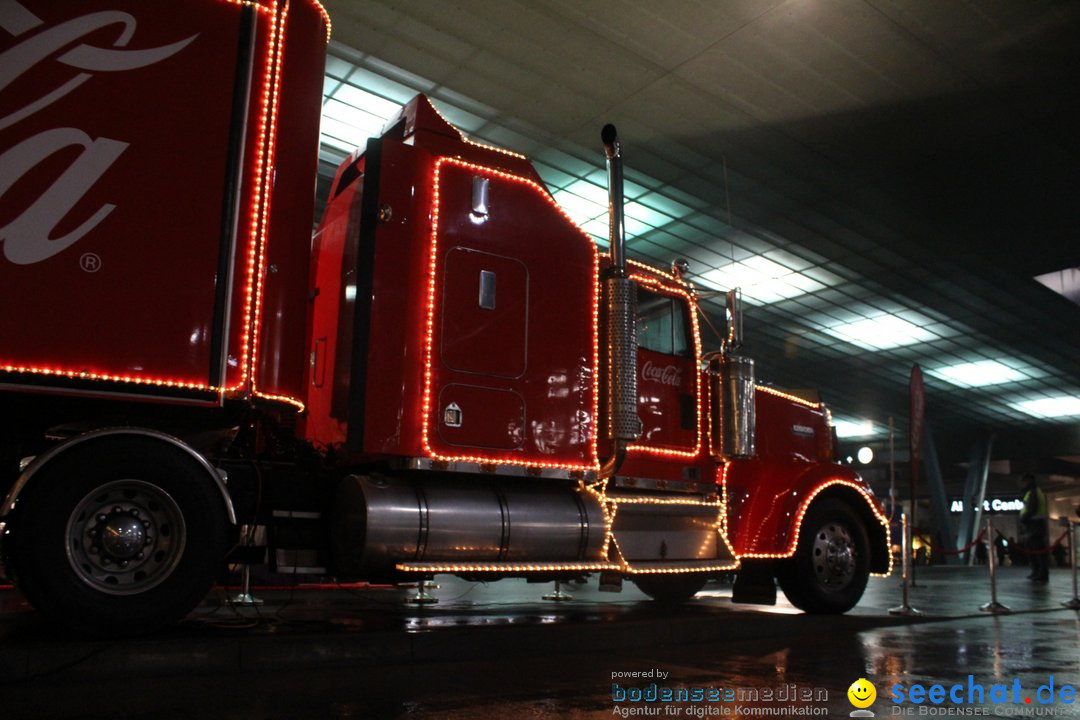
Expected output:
(831, 565)
(118, 536)
(670, 588)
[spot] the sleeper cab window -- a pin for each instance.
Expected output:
(663, 325)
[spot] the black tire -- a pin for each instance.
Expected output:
(831, 565)
(119, 535)
(670, 589)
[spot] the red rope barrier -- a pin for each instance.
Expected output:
(1040, 551)
(978, 539)
(1019, 548)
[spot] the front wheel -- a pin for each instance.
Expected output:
(831, 565)
(118, 535)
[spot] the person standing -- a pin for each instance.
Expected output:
(1034, 523)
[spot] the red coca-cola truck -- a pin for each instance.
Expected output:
(449, 377)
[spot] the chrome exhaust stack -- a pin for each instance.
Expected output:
(617, 226)
(620, 301)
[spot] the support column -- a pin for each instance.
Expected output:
(974, 494)
(938, 500)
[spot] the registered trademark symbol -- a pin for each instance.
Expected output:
(90, 262)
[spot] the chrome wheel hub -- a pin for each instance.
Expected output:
(125, 537)
(834, 556)
(121, 535)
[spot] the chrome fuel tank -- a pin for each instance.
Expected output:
(385, 521)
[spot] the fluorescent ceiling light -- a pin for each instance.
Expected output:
(342, 135)
(575, 205)
(881, 332)
(349, 125)
(599, 229)
(645, 214)
(665, 205)
(368, 102)
(762, 280)
(634, 228)
(979, 373)
(589, 191)
(581, 210)
(854, 428)
(1051, 407)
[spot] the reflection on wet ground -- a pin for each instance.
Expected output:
(499, 651)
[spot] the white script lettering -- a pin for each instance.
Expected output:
(26, 239)
(668, 375)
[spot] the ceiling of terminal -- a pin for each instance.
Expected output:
(884, 179)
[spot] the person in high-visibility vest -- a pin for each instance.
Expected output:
(1034, 523)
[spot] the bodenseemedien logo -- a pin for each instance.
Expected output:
(862, 694)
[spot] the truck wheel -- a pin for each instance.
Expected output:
(670, 589)
(831, 565)
(118, 536)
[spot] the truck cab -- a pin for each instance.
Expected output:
(481, 352)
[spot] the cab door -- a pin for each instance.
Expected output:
(667, 372)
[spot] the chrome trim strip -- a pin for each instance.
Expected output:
(457, 466)
(674, 486)
(106, 394)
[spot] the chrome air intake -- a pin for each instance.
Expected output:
(733, 390)
(734, 419)
(621, 306)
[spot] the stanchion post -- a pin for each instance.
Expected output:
(244, 598)
(559, 595)
(993, 606)
(422, 597)
(905, 572)
(1075, 602)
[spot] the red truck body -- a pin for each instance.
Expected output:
(442, 344)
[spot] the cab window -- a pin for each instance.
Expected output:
(662, 324)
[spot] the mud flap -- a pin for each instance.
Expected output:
(755, 584)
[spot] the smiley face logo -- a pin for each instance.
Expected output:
(861, 693)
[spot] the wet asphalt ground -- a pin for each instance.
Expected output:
(500, 651)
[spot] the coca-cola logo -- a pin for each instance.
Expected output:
(28, 238)
(668, 374)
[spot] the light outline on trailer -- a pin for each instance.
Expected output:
(263, 8)
(259, 216)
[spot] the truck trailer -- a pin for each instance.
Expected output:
(448, 376)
